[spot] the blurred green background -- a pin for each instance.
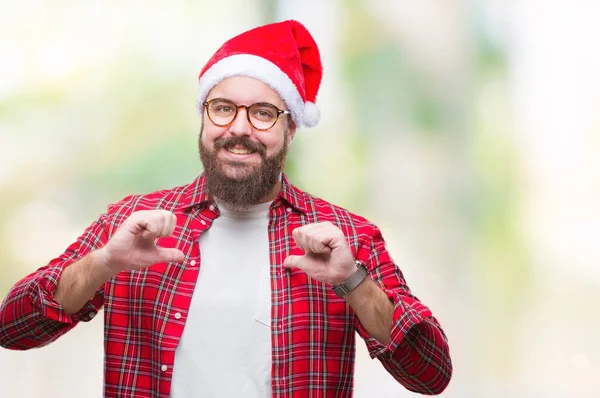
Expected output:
(467, 130)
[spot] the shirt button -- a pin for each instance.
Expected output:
(177, 315)
(211, 207)
(289, 209)
(202, 222)
(192, 263)
(164, 368)
(92, 315)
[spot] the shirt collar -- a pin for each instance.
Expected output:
(195, 194)
(292, 195)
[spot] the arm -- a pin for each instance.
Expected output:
(373, 309)
(417, 353)
(132, 247)
(52, 300)
(414, 351)
(80, 281)
(31, 316)
(399, 330)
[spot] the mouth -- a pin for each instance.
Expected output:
(240, 150)
(239, 155)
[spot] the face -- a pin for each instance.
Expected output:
(242, 165)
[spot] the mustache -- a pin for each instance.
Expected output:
(245, 142)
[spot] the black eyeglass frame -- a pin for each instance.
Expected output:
(280, 112)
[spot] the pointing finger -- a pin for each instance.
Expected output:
(170, 255)
(293, 262)
(300, 238)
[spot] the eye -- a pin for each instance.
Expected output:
(264, 112)
(222, 107)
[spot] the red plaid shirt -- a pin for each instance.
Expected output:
(312, 330)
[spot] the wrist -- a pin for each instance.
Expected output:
(101, 262)
(356, 278)
(349, 268)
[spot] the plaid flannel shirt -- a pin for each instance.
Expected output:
(312, 330)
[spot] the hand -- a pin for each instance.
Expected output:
(133, 245)
(327, 257)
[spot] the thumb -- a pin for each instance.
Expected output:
(170, 255)
(293, 262)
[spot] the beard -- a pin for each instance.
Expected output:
(248, 184)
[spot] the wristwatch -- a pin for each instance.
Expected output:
(354, 280)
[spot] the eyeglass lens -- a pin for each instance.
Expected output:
(261, 115)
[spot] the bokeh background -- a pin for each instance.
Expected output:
(466, 129)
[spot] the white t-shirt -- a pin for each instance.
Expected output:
(225, 349)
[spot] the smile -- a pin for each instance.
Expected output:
(239, 151)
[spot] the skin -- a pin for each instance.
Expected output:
(247, 91)
(327, 257)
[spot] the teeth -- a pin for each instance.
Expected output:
(239, 151)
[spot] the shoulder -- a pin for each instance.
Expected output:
(167, 199)
(362, 235)
(321, 210)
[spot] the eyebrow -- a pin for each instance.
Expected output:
(282, 106)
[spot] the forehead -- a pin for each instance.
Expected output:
(245, 90)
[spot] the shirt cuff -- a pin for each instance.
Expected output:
(408, 312)
(42, 297)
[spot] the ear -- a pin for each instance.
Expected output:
(291, 132)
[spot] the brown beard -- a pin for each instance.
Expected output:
(256, 182)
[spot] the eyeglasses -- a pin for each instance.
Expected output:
(262, 115)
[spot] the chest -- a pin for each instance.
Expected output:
(246, 270)
(233, 283)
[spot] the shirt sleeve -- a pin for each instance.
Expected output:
(30, 316)
(418, 355)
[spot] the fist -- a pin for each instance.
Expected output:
(133, 246)
(327, 256)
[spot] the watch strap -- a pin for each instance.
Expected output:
(354, 280)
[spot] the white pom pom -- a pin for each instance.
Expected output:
(311, 115)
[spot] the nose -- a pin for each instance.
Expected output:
(240, 125)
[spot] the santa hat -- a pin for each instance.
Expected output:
(283, 55)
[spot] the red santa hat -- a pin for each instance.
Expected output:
(283, 55)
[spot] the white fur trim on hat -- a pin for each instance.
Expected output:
(258, 68)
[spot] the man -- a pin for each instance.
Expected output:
(238, 284)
